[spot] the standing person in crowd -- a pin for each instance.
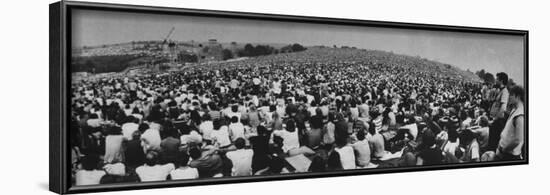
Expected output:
(510, 146)
(498, 110)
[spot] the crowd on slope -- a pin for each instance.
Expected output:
(289, 113)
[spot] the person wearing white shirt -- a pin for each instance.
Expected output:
(117, 169)
(236, 129)
(234, 112)
(151, 170)
(291, 142)
(412, 128)
(184, 171)
(220, 135)
(89, 175)
(241, 159)
(192, 137)
(94, 121)
(347, 157)
(113, 146)
(150, 139)
(206, 127)
(129, 128)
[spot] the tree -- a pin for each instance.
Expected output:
(227, 54)
(248, 50)
(481, 73)
(511, 82)
(489, 78)
(297, 47)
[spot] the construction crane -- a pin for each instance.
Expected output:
(168, 35)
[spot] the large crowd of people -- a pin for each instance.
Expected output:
(313, 111)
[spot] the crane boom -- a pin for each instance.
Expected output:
(168, 35)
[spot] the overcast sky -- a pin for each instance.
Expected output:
(494, 53)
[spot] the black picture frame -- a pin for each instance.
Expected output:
(60, 44)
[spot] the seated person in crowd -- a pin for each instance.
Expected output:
(130, 127)
(429, 154)
(150, 139)
(89, 174)
(152, 170)
(169, 145)
(236, 129)
(183, 171)
(220, 135)
(260, 146)
(471, 147)
(113, 145)
(347, 156)
(291, 145)
(362, 149)
(205, 128)
(133, 153)
(481, 133)
(208, 163)
(241, 159)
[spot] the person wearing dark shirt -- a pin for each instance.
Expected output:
(341, 134)
(260, 146)
(94, 143)
(134, 152)
(430, 154)
(314, 135)
(169, 146)
(208, 163)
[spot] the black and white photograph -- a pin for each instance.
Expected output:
(157, 97)
(247, 97)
